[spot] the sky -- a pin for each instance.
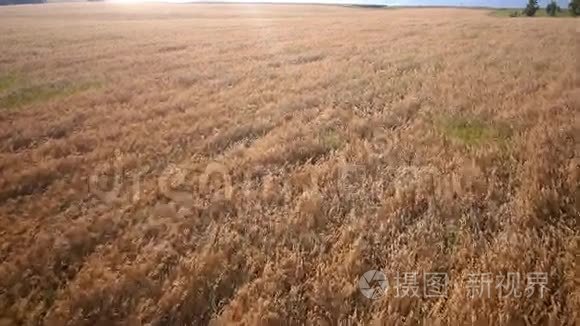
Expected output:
(467, 3)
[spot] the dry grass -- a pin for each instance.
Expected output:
(266, 156)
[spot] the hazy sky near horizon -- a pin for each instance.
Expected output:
(466, 3)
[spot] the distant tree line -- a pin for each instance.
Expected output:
(551, 9)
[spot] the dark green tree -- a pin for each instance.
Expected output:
(552, 8)
(574, 7)
(531, 8)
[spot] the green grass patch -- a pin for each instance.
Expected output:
(38, 93)
(330, 139)
(474, 132)
(6, 82)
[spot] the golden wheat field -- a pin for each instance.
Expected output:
(172, 164)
